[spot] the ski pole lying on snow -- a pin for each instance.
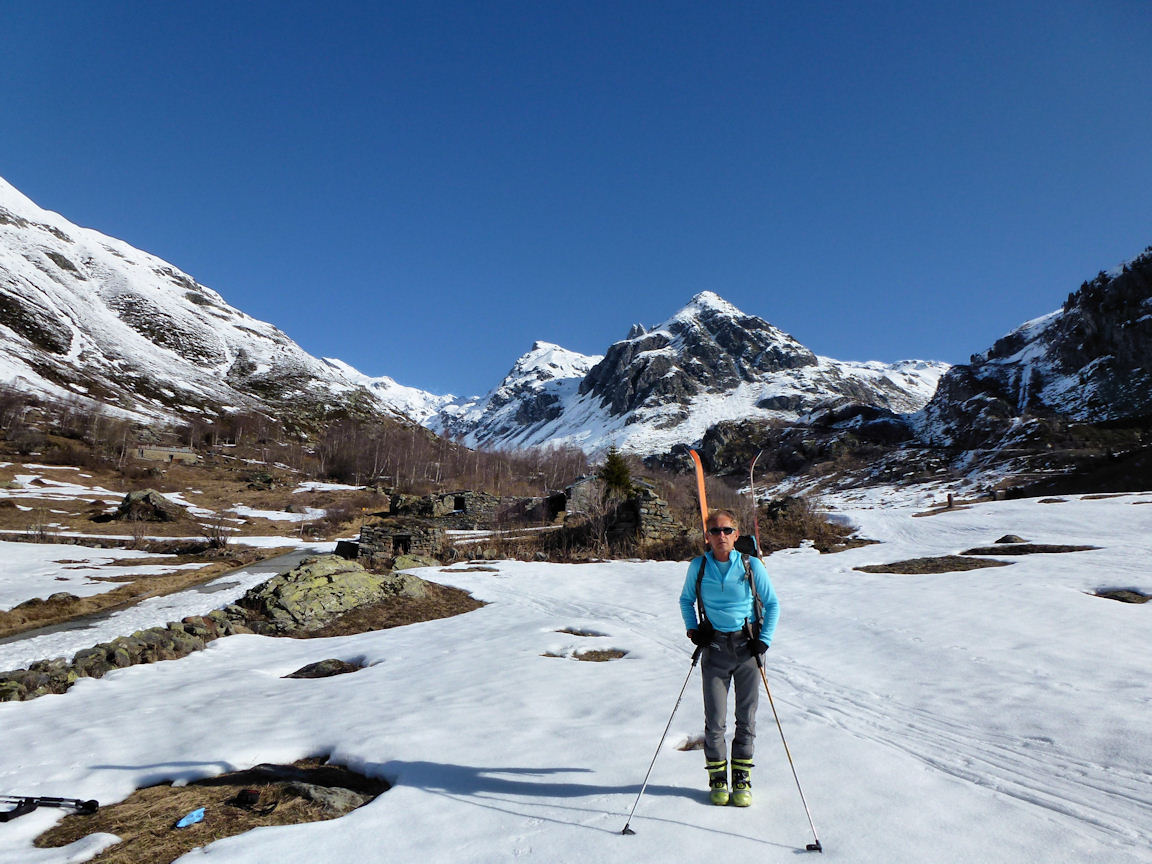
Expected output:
(26, 804)
(811, 847)
(683, 687)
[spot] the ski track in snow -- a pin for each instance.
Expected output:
(1106, 798)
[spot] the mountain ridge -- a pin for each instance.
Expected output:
(92, 318)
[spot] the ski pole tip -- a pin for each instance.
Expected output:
(814, 847)
(628, 830)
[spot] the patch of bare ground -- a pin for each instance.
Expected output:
(470, 569)
(307, 791)
(944, 508)
(214, 487)
(594, 656)
(572, 631)
(440, 601)
(34, 614)
(1123, 595)
(849, 543)
(940, 564)
(1026, 549)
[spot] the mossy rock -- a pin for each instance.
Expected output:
(410, 562)
(320, 589)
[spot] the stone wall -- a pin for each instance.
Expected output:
(656, 522)
(381, 542)
(464, 509)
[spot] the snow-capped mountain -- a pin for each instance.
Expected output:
(669, 384)
(1087, 362)
(86, 316)
(531, 396)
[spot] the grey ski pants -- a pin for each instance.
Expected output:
(728, 658)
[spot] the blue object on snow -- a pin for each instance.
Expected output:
(192, 818)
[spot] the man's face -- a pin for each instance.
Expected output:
(719, 542)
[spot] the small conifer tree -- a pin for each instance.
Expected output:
(615, 475)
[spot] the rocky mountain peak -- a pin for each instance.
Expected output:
(707, 346)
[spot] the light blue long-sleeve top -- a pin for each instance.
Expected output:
(728, 596)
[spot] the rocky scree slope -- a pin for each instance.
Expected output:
(85, 316)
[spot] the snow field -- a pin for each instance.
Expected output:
(996, 715)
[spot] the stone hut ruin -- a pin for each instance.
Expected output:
(464, 509)
(384, 541)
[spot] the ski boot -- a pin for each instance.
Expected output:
(741, 782)
(718, 782)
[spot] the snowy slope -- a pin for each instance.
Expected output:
(996, 716)
(669, 384)
(84, 315)
(534, 393)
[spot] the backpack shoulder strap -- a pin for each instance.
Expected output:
(699, 579)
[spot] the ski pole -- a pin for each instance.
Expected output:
(683, 687)
(26, 804)
(811, 847)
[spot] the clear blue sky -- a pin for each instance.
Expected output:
(424, 188)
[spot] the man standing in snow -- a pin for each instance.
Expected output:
(730, 610)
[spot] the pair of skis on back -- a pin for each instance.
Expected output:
(702, 497)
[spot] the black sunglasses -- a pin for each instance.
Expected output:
(726, 529)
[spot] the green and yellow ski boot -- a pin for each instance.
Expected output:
(718, 782)
(741, 782)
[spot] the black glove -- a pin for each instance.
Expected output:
(758, 647)
(703, 633)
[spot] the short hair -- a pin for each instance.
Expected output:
(723, 511)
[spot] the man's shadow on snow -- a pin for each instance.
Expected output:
(503, 789)
(475, 780)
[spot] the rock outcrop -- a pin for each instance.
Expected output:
(147, 505)
(320, 589)
(1087, 362)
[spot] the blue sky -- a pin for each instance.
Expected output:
(424, 189)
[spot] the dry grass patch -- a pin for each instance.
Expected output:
(1123, 595)
(593, 656)
(284, 795)
(1026, 549)
(944, 508)
(941, 564)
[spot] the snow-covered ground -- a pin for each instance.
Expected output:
(151, 612)
(30, 570)
(997, 715)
